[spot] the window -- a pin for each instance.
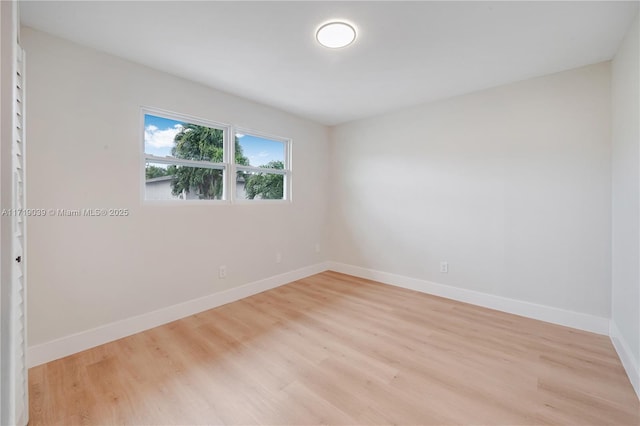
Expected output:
(191, 159)
(261, 167)
(184, 160)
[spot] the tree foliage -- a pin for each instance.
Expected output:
(201, 143)
(152, 171)
(265, 185)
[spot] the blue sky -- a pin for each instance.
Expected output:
(159, 134)
(260, 151)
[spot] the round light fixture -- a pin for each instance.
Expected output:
(336, 34)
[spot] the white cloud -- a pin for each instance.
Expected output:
(161, 138)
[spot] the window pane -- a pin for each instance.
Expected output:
(164, 137)
(259, 186)
(259, 152)
(172, 182)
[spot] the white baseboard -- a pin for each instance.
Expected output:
(550, 314)
(68, 345)
(626, 356)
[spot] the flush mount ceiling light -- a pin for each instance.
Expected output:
(336, 34)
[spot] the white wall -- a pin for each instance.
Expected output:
(511, 186)
(84, 141)
(625, 310)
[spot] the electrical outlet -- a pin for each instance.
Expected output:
(444, 267)
(278, 257)
(222, 272)
(317, 247)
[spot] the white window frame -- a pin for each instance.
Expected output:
(228, 166)
(286, 171)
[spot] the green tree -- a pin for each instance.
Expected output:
(201, 143)
(152, 171)
(268, 186)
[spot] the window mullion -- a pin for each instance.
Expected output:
(231, 155)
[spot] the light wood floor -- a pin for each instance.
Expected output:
(334, 349)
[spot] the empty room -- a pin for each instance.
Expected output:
(315, 212)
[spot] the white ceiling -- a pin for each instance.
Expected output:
(406, 53)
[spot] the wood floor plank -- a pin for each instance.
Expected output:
(336, 349)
